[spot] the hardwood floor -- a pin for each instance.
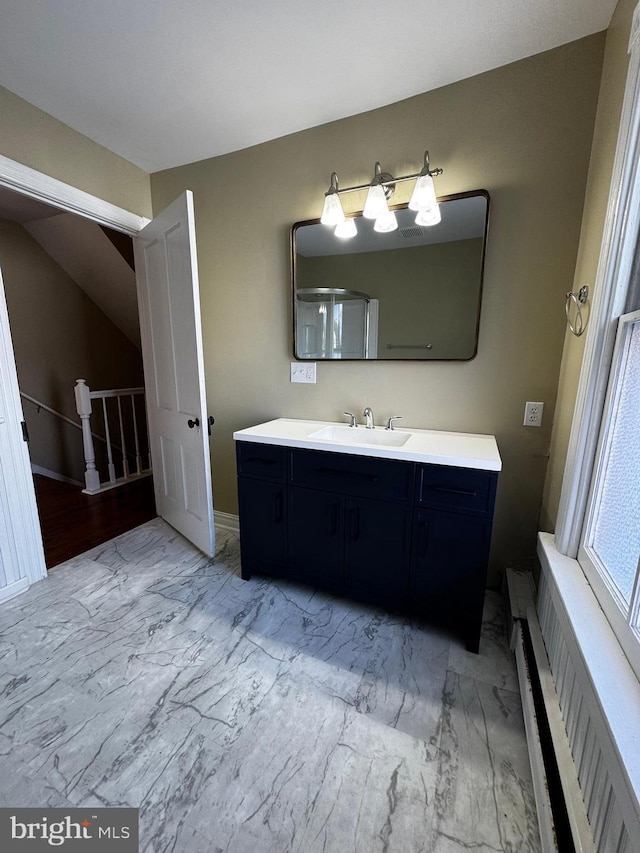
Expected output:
(72, 522)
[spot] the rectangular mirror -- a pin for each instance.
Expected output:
(413, 293)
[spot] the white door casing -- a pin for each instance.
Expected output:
(21, 550)
(170, 326)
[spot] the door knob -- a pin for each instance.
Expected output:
(210, 422)
(193, 423)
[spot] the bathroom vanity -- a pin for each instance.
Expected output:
(397, 518)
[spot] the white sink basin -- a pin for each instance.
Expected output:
(360, 435)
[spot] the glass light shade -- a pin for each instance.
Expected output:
(376, 203)
(429, 217)
(332, 212)
(386, 222)
(424, 194)
(346, 229)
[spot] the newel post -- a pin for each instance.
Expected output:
(83, 407)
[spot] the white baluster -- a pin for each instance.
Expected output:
(125, 461)
(135, 435)
(83, 407)
(111, 466)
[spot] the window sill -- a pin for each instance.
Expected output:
(616, 688)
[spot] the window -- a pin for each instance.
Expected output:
(610, 548)
(599, 513)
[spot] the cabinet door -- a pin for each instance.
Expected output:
(263, 527)
(449, 567)
(377, 550)
(316, 537)
(449, 551)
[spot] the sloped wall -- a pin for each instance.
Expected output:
(35, 139)
(59, 335)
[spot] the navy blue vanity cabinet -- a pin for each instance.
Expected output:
(262, 499)
(349, 524)
(402, 535)
(450, 549)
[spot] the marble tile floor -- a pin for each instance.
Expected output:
(256, 717)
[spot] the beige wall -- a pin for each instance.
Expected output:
(614, 73)
(35, 139)
(59, 335)
(523, 132)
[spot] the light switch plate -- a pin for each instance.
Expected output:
(303, 371)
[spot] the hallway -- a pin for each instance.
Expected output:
(72, 522)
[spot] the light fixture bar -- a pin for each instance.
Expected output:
(433, 172)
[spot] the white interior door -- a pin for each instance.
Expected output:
(21, 550)
(169, 301)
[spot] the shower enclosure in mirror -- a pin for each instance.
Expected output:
(333, 322)
(413, 293)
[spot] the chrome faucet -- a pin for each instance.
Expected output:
(352, 419)
(368, 418)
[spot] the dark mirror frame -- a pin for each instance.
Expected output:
(441, 199)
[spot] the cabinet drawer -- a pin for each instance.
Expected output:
(461, 489)
(265, 461)
(358, 476)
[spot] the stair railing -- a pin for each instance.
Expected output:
(127, 427)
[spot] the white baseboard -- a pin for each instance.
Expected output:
(52, 475)
(226, 520)
(13, 589)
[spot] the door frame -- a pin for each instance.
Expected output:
(20, 512)
(29, 182)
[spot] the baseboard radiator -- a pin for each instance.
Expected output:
(580, 805)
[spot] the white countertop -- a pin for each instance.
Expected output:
(462, 450)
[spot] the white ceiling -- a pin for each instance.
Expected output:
(168, 82)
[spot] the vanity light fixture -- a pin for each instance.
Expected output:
(424, 192)
(376, 203)
(423, 201)
(332, 213)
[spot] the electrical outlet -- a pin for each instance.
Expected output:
(303, 371)
(533, 414)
